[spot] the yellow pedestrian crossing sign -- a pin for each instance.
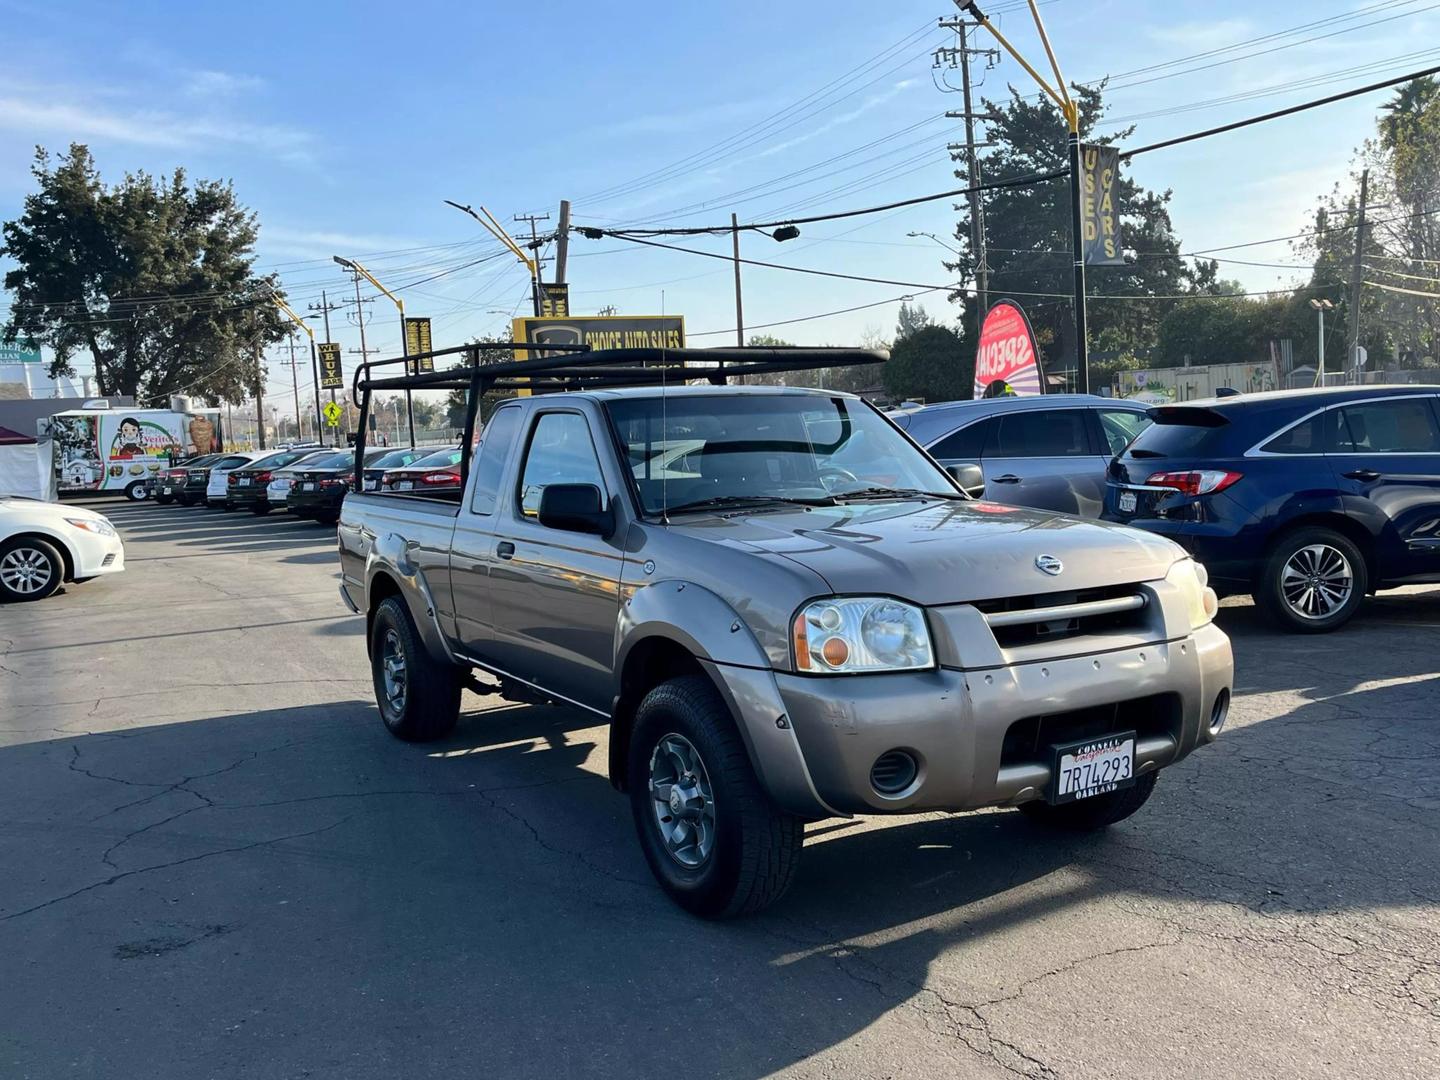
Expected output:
(332, 414)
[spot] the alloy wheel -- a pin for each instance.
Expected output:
(25, 570)
(683, 800)
(392, 666)
(1317, 581)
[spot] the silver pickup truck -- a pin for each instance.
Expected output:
(784, 610)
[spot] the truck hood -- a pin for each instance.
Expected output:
(945, 552)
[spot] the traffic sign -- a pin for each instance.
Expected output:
(332, 414)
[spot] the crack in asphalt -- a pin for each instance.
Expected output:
(113, 878)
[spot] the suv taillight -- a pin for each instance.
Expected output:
(1195, 481)
(440, 478)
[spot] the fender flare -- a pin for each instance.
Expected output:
(712, 632)
(389, 555)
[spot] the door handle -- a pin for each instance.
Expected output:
(1008, 478)
(505, 549)
(1362, 474)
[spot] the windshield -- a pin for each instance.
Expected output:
(700, 449)
(330, 461)
(396, 458)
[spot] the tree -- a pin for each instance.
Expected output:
(1028, 231)
(911, 320)
(931, 364)
(153, 277)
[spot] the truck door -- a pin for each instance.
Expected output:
(555, 594)
(472, 547)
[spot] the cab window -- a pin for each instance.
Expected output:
(1041, 433)
(490, 458)
(560, 452)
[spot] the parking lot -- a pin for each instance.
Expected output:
(217, 863)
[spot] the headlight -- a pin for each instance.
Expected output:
(1191, 579)
(100, 527)
(859, 634)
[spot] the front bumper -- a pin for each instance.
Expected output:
(96, 555)
(954, 723)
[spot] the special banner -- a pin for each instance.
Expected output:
(1006, 363)
(417, 340)
(1099, 200)
(602, 332)
(332, 375)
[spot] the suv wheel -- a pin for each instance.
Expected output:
(1314, 581)
(1096, 812)
(418, 696)
(30, 569)
(713, 839)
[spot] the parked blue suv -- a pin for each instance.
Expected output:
(1307, 499)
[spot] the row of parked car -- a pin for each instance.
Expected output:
(308, 481)
(1309, 500)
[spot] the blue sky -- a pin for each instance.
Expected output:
(345, 126)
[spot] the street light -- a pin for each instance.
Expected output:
(937, 240)
(1321, 306)
(359, 272)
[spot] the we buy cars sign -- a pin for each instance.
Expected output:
(1006, 362)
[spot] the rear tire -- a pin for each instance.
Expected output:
(753, 848)
(30, 569)
(137, 492)
(1096, 812)
(260, 509)
(328, 517)
(1314, 581)
(164, 500)
(418, 696)
(183, 500)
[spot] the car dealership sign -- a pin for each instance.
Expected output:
(1007, 362)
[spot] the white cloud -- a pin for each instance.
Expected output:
(220, 84)
(146, 127)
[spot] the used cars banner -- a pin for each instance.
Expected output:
(1099, 205)
(1006, 362)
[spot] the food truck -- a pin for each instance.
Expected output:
(110, 449)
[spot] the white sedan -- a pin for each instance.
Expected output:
(44, 544)
(220, 474)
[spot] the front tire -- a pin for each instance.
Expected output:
(30, 569)
(714, 840)
(418, 696)
(1096, 812)
(1314, 581)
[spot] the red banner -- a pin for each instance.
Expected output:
(1006, 362)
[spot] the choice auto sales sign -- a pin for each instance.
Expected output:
(1006, 362)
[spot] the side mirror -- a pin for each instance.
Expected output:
(970, 479)
(575, 508)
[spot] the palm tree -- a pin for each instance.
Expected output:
(1405, 108)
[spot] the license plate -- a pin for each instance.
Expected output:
(302, 487)
(372, 485)
(1127, 502)
(244, 481)
(1093, 767)
(406, 485)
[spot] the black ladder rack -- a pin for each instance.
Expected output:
(581, 368)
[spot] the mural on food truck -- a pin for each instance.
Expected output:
(101, 451)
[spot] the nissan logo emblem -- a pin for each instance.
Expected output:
(1049, 564)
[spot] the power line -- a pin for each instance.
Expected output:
(1407, 292)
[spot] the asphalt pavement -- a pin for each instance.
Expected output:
(215, 863)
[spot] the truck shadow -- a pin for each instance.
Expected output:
(497, 869)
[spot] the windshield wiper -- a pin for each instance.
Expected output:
(720, 502)
(898, 493)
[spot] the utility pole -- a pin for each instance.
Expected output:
(295, 385)
(978, 252)
(534, 246)
(562, 241)
(1355, 275)
(739, 307)
(260, 396)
